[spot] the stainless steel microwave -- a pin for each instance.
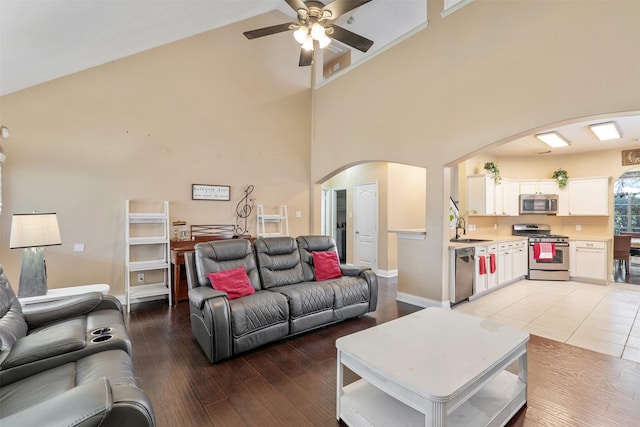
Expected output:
(538, 203)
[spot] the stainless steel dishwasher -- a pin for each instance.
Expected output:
(465, 269)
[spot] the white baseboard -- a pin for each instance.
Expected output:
(420, 301)
(123, 300)
(387, 273)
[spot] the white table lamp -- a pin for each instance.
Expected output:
(31, 232)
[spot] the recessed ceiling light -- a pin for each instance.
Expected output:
(552, 139)
(606, 131)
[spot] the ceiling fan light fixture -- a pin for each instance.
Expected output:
(552, 139)
(324, 42)
(317, 31)
(308, 43)
(606, 131)
(301, 34)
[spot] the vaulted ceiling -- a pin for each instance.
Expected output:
(41, 40)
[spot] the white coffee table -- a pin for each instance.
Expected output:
(435, 367)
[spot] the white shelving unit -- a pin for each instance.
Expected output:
(147, 251)
(271, 225)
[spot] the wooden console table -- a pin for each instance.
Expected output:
(179, 285)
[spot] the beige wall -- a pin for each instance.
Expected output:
(487, 73)
(206, 110)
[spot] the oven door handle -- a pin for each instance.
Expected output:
(558, 245)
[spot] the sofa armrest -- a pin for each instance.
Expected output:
(350, 270)
(36, 347)
(199, 295)
(86, 405)
(43, 313)
(372, 281)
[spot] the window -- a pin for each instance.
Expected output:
(626, 193)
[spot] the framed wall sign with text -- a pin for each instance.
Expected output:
(209, 192)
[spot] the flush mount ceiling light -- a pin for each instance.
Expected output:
(606, 131)
(552, 139)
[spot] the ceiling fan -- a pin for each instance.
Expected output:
(315, 27)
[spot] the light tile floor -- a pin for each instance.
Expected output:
(601, 318)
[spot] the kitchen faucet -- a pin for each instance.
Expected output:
(461, 223)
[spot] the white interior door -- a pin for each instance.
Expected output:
(366, 225)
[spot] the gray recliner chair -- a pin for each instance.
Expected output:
(40, 336)
(67, 363)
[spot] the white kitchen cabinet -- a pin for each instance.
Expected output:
(588, 196)
(588, 260)
(512, 261)
(481, 195)
(485, 197)
(492, 276)
(520, 259)
(507, 198)
(488, 280)
(505, 262)
(480, 280)
(548, 186)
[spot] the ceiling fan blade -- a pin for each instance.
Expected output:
(267, 31)
(351, 39)
(296, 4)
(306, 58)
(338, 7)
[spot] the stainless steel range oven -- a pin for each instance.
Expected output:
(548, 253)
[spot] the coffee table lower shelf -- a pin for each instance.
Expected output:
(362, 404)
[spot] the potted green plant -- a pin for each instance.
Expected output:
(495, 172)
(560, 175)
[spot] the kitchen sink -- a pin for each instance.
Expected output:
(469, 240)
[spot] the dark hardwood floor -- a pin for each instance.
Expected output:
(293, 382)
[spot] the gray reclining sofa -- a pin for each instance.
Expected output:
(67, 363)
(287, 300)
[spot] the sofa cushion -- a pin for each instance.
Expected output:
(234, 282)
(326, 265)
(278, 261)
(219, 255)
(307, 297)
(257, 311)
(349, 291)
(309, 244)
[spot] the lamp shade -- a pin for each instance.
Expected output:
(34, 230)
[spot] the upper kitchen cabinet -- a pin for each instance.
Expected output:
(587, 196)
(485, 197)
(547, 186)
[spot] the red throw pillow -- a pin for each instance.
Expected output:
(327, 265)
(234, 282)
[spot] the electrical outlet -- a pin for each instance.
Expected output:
(140, 277)
(578, 227)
